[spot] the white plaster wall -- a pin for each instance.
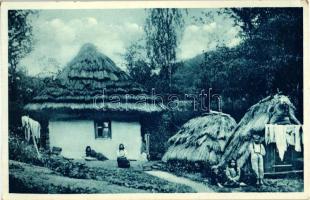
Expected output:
(73, 137)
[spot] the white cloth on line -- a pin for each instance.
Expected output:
(284, 135)
(290, 134)
(280, 136)
(298, 138)
(31, 126)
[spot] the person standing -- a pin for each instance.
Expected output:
(257, 151)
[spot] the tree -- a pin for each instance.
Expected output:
(19, 45)
(274, 38)
(20, 36)
(137, 64)
(269, 58)
(163, 29)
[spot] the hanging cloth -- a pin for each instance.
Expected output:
(298, 139)
(269, 133)
(280, 137)
(32, 130)
(290, 134)
(31, 127)
(36, 129)
(26, 127)
(284, 135)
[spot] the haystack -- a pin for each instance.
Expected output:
(201, 139)
(92, 81)
(277, 109)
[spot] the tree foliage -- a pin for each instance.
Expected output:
(137, 64)
(274, 39)
(20, 35)
(163, 29)
(21, 87)
(268, 60)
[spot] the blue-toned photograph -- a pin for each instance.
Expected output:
(155, 100)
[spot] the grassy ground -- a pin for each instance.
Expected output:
(23, 178)
(26, 178)
(70, 172)
(271, 185)
(59, 175)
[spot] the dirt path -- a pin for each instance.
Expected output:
(198, 187)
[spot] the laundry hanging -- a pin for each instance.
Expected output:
(298, 139)
(26, 127)
(31, 126)
(284, 135)
(290, 137)
(32, 130)
(269, 134)
(280, 136)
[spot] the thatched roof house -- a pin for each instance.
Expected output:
(93, 76)
(277, 109)
(93, 102)
(201, 139)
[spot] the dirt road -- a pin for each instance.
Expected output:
(198, 187)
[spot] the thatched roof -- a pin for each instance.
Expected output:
(201, 139)
(271, 110)
(92, 75)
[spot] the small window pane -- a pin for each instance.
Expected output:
(105, 133)
(103, 129)
(99, 132)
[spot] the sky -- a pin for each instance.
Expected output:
(59, 34)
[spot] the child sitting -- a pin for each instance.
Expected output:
(232, 173)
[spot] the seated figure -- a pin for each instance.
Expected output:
(122, 160)
(232, 173)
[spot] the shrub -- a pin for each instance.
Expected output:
(21, 151)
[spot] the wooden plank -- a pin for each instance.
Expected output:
(284, 172)
(288, 165)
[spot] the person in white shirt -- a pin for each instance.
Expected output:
(257, 151)
(121, 151)
(122, 160)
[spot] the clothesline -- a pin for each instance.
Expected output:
(284, 135)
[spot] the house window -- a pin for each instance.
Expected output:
(103, 129)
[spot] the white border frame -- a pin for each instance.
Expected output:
(5, 6)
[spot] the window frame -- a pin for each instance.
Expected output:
(104, 136)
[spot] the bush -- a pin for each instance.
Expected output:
(21, 151)
(68, 168)
(179, 166)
